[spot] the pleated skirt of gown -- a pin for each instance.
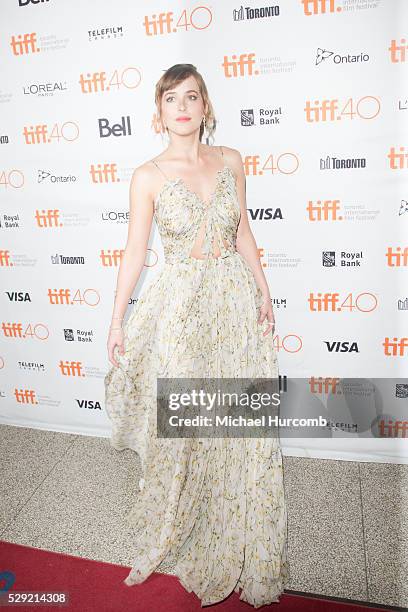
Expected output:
(215, 505)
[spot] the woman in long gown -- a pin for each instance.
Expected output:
(214, 506)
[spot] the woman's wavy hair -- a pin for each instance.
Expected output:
(176, 75)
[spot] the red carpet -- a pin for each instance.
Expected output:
(97, 587)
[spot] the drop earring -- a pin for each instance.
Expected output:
(205, 127)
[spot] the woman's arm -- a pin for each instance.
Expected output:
(134, 255)
(133, 259)
(246, 244)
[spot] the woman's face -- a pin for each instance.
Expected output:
(183, 107)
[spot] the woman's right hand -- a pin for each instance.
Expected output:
(116, 338)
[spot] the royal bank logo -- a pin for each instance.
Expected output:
(347, 259)
(247, 117)
(265, 116)
(329, 259)
(401, 390)
(10, 221)
(78, 335)
(69, 335)
(403, 207)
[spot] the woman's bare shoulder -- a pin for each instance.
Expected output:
(233, 159)
(145, 170)
(231, 153)
(146, 174)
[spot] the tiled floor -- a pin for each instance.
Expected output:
(348, 522)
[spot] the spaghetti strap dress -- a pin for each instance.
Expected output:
(213, 506)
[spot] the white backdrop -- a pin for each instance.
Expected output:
(313, 95)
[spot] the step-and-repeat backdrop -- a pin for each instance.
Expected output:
(314, 96)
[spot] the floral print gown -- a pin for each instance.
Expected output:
(214, 505)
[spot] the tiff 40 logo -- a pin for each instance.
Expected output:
(63, 296)
(284, 163)
(27, 331)
(158, 24)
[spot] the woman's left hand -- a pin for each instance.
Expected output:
(266, 314)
